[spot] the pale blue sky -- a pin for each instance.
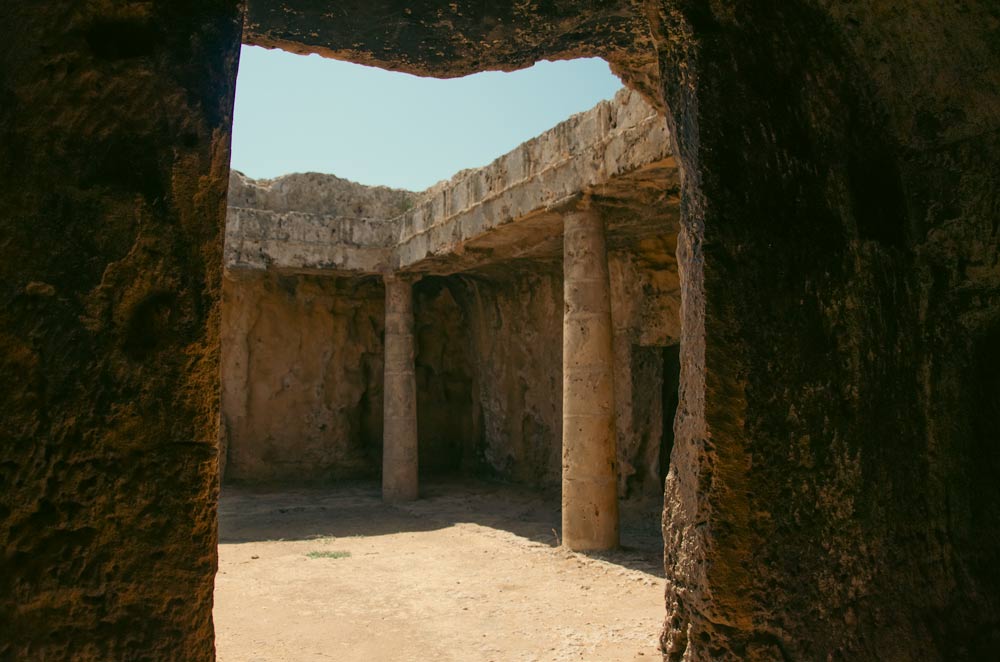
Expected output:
(299, 113)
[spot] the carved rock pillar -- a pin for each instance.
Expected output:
(399, 436)
(589, 478)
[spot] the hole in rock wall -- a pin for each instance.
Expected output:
(670, 398)
(983, 384)
(304, 321)
(415, 236)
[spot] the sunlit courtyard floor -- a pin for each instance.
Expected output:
(472, 571)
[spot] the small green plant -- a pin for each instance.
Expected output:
(329, 555)
(404, 206)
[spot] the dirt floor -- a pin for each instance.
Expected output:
(472, 571)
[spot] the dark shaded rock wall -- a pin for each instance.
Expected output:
(302, 364)
(447, 417)
(827, 497)
(114, 158)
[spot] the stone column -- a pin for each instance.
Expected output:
(589, 457)
(399, 432)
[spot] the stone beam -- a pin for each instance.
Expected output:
(619, 150)
(585, 152)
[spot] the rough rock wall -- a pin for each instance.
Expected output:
(302, 380)
(645, 307)
(311, 222)
(114, 158)
(318, 193)
(302, 383)
(515, 333)
(302, 369)
(460, 37)
(447, 415)
(514, 324)
(829, 494)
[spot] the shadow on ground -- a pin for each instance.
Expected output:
(355, 509)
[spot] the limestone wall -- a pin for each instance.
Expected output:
(645, 314)
(512, 335)
(310, 222)
(301, 377)
(302, 373)
(515, 339)
(318, 193)
(448, 419)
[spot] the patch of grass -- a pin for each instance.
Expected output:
(336, 554)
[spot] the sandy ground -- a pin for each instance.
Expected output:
(469, 572)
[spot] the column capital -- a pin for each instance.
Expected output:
(402, 277)
(584, 204)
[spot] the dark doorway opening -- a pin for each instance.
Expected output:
(670, 398)
(446, 420)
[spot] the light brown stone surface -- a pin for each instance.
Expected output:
(488, 368)
(321, 194)
(589, 455)
(302, 377)
(399, 431)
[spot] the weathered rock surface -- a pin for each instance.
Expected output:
(448, 419)
(114, 151)
(302, 377)
(302, 391)
(461, 37)
(311, 222)
(318, 193)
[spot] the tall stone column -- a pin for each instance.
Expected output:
(399, 410)
(589, 459)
